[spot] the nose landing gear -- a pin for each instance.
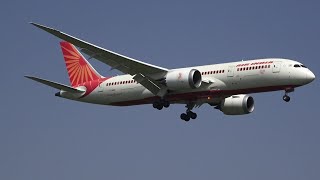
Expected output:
(285, 97)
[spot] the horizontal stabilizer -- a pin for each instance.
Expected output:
(56, 85)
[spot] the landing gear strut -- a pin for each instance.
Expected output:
(189, 114)
(285, 97)
(161, 104)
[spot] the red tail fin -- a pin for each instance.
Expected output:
(78, 68)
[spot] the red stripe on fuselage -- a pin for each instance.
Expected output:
(193, 96)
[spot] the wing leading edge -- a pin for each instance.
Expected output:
(124, 64)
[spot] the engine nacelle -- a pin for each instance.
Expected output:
(183, 79)
(237, 105)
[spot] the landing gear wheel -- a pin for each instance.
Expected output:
(155, 105)
(185, 117)
(192, 115)
(166, 104)
(286, 98)
(161, 104)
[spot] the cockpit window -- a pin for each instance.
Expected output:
(303, 66)
(296, 65)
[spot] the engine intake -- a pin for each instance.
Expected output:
(183, 79)
(237, 105)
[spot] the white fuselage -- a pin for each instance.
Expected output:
(218, 81)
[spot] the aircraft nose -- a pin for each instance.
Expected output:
(310, 76)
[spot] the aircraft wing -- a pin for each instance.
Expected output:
(116, 61)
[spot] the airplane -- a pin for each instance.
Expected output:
(224, 86)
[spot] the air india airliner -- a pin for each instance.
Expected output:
(224, 86)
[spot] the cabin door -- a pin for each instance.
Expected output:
(230, 71)
(276, 67)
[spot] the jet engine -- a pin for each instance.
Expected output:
(237, 105)
(183, 79)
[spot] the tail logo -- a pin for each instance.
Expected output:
(78, 68)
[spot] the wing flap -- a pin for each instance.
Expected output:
(152, 86)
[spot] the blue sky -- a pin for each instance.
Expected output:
(44, 137)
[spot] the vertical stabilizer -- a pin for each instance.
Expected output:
(79, 69)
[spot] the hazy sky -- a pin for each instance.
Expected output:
(45, 137)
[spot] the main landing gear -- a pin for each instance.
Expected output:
(161, 104)
(189, 114)
(285, 97)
